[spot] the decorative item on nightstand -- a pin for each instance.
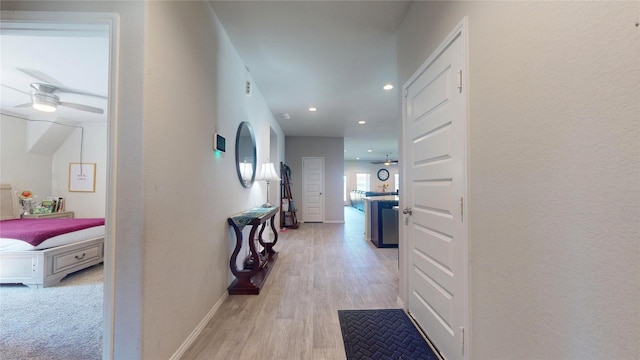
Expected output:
(26, 198)
(48, 206)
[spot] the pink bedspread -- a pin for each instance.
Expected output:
(35, 231)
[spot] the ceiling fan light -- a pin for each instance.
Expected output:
(44, 107)
(43, 103)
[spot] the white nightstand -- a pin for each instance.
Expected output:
(56, 215)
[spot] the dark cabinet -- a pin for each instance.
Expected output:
(384, 223)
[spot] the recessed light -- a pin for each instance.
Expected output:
(312, 109)
(357, 158)
(369, 150)
(388, 87)
(362, 122)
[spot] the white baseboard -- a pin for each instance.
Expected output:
(400, 302)
(196, 332)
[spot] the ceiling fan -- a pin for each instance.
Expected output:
(45, 95)
(45, 98)
(386, 162)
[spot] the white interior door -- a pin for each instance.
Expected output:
(434, 126)
(312, 189)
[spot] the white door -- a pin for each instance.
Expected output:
(312, 189)
(434, 126)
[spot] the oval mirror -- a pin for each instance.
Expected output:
(245, 154)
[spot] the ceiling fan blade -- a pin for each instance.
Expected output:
(38, 75)
(80, 92)
(18, 90)
(384, 162)
(82, 107)
(24, 105)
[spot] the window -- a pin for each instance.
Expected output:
(344, 188)
(363, 181)
(396, 181)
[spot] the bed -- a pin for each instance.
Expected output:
(52, 248)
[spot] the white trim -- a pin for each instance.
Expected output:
(466, 338)
(196, 332)
(112, 175)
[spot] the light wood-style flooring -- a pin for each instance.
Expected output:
(321, 268)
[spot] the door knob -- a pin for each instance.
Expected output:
(407, 210)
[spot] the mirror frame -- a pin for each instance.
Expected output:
(247, 183)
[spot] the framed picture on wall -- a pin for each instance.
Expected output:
(82, 177)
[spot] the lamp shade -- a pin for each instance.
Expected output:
(268, 172)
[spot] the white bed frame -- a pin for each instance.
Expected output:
(42, 268)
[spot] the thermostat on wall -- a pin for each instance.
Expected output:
(219, 142)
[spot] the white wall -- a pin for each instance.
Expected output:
(83, 204)
(332, 150)
(47, 174)
(18, 167)
(554, 172)
(194, 86)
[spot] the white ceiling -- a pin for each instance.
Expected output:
(333, 55)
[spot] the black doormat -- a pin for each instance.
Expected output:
(381, 335)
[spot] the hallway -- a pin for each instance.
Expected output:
(321, 268)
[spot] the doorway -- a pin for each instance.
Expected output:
(44, 23)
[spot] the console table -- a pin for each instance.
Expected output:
(251, 277)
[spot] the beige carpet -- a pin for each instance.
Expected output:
(59, 322)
